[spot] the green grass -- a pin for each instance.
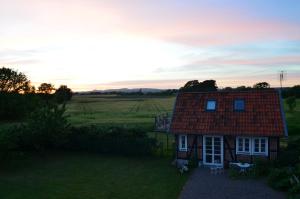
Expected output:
(88, 176)
(293, 120)
(101, 109)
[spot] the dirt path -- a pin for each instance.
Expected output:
(203, 185)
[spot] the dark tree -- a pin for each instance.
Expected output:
(195, 85)
(261, 85)
(46, 88)
(63, 94)
(243, 88)
(291, 101)
(293, 91)
(13, 81)
(228, 88)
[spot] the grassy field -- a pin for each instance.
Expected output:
(87, 176)
(293, 120)
(101, 109)
(93, 109)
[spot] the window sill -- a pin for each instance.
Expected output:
(243, 153)
(183, 150)
(260, 154)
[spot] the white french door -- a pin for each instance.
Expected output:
(213, 150)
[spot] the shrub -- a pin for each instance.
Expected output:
(280, 179)
(289, 156)
(113, 140)
(291, 101)
(46, 128)
(7, 141)
(262, 167)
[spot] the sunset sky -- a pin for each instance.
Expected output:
(102, 44)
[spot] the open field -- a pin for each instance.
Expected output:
(111, 109)
(84, 110)
(88, 176)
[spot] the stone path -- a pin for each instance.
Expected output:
(203, 185)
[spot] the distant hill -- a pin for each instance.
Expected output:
(125, 90)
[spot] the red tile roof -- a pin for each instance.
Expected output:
(262, 115)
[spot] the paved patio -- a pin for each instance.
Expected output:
(203, 185)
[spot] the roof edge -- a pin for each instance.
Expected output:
(231, 91)
(282, 113)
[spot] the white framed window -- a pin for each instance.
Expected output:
(252, 146)
(211, 105)
(243, 145)
(260, 146)
(182, 142)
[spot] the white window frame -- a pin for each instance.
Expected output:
(180, 143)
(243, 151)
(252, 146)
(266, 146)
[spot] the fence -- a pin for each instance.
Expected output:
(166, 144)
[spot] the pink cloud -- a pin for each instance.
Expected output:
(265, 61)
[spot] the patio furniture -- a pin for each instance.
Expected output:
(216, 170)
(242, 167)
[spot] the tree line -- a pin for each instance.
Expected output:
(18, 98)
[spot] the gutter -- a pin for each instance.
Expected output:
(283, 114)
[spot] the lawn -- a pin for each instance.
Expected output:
(293, 120)
(112, 109)
(90, 176)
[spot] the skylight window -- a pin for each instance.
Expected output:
(239, 105)
(211, 105)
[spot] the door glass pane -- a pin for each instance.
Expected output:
(217, 159)
(208, 158)
(217, 149)
(208, 141)
(217, 140)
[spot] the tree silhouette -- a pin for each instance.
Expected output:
(46, 88)
(261, 85)
(13, 81)
(195, 85)
(63, 94)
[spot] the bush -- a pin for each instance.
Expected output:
(14, 106)
(262, 167)
(7, 142)
(113, 140)
(279, 179)
(45, 129)
(291, 102)
(289, 156)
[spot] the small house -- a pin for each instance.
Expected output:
(216, 128)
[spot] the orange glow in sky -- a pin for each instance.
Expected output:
(90, 44)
